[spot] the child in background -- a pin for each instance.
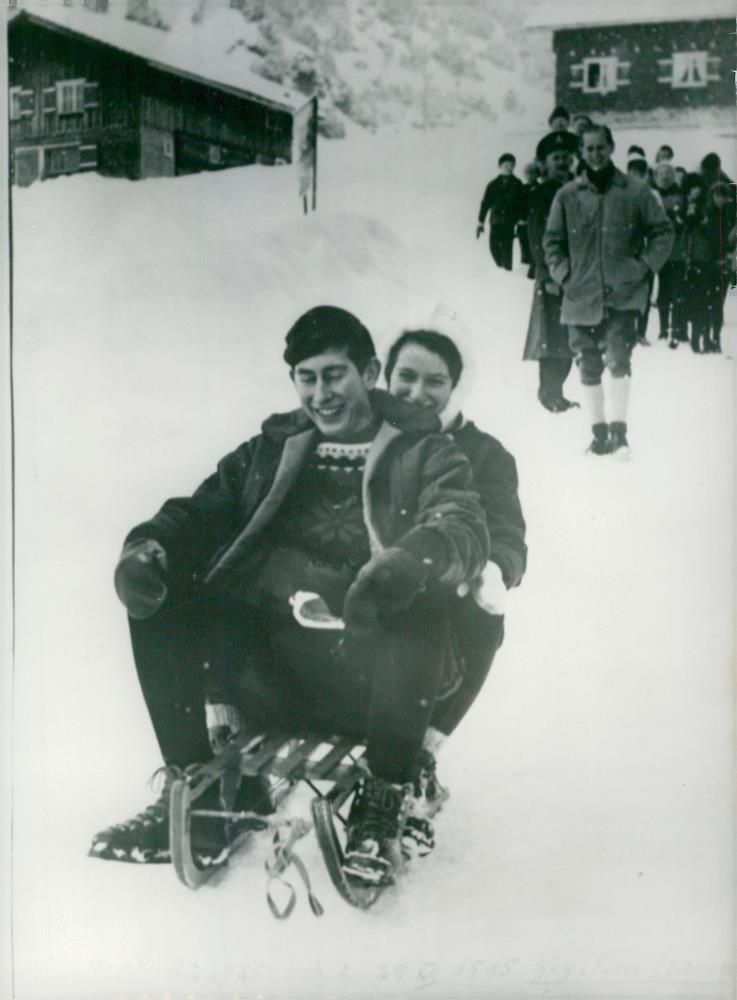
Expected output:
(672, 276)
(703, 266)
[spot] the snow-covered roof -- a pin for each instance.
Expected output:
(577, 14)
(200, 53)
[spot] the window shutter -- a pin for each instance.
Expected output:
(27, 102)
(90, 95)
(14, 101)
(87, 157)
(49, 99)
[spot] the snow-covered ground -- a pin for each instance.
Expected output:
(588, 847)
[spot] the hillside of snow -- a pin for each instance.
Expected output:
(587, 849)
(372, 62)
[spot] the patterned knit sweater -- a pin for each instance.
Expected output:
(319, 538)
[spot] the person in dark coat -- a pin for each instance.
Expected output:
(606, 233)
(672, 275)
(353, 499)
(711, 171)
(425, 367)
(532, 179)
(709, 216)
(547, 338)
(504, 204)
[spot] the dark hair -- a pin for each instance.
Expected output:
(636, 149)
(559, 112)
(711, 163)
(602, 129)
(666, 149)
(507, 157)
(328, 327)
(637, 166)
(433, 341)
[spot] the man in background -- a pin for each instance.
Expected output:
(605, 236)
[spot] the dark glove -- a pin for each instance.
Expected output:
(479, 229)
(384, 587)
(140, 577)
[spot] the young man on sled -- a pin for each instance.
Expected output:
(357, 498)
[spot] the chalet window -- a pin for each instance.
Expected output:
(90, 94)
(215, 155)
(168, 146)
(61, 160)
(600, 75)
(70, 97)
(689, 69)
(22, 103)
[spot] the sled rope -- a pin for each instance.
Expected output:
(285, 837)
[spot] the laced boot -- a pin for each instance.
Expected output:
(378, 812)
(144, 838)
(600, 444)
(427, 798)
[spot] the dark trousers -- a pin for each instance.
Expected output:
(704, 287)
(641, 318)
(377, 685)
(553, 373)
(524, 243)
(501, 243)
(479, 637)
(672, 300)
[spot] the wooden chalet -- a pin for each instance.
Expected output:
(634, 56)
(91, 91)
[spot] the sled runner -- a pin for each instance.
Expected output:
(283, 761)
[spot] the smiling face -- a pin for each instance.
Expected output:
(334, 394)
(665, 175)
(558, 164)
(421, 376)
(596, 149)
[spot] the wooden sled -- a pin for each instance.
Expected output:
(337, 762)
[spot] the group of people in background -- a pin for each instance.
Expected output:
(603, 246)
(694, 281)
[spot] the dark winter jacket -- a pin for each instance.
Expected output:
(602, 247)
(504, 201)
(674, 203)
(705, 238)
(477, 633)
(546, 336)
(418, 494)
(495, 478)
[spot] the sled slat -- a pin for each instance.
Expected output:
(251, 764)
(296, 759)
(322, 768)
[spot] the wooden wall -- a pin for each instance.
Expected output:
(139, 121)
(646, 51)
